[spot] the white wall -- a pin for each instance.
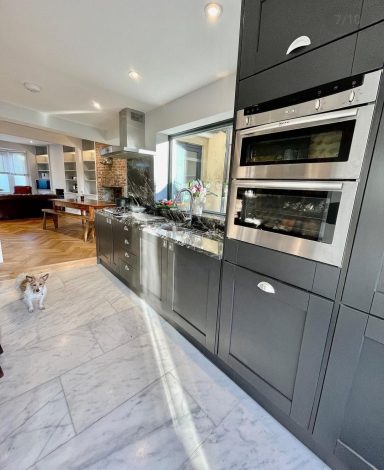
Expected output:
(56, 166)
(207, 105)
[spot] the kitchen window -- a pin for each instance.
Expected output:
(203, 154)
(13, 171)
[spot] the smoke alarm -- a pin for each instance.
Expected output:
(32, 87)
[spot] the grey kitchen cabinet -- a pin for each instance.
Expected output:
(274, 340)
(193, 283)
(372, 12)
(104, 238)
(305, 71)
(369, 53)
(153, 268)
(350, 418)
(271, 28)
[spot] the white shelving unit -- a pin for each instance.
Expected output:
(90, 178)
(42, 167)
(70, 172)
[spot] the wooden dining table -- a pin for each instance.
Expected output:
(87, 207)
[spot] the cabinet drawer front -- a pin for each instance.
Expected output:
(307, 71)
(267, 329)
(280, 24)
(128, 239)
(369, 53)
(130, 259)
(373, 11)
(130, 275)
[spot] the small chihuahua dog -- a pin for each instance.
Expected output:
(33, 288)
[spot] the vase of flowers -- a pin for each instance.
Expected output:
(199, 192)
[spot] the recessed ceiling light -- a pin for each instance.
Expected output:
(31, 141)
(96, 104)
(134, 75)
(33, 87)
(213, 11)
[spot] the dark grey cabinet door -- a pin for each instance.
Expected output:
(306, 71)
(270, 27)
(193, 292)
(274, 340)
(153, 271)
(369, 53)
(104, 238)
(350, 419)
(373, 11)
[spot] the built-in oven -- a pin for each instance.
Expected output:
(310, 219)
(322, 138)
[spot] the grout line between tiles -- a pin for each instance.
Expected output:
(158, 379)
(69, 409)
(29, 416)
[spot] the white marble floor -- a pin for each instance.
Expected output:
(99, 381)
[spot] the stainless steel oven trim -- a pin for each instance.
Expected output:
(325, 253)
(366, 93)
(328, 170)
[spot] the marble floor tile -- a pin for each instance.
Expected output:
(32, 425)
(70, 274)
(22, 328)
(156, 429)
(215, 392)
(119, 328)
(248, 439)
(28, 367)
(100, 385)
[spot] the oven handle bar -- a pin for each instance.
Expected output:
(314, 185)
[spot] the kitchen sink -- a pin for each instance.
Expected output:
(172, 228)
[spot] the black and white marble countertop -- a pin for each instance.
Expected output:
(208, 242)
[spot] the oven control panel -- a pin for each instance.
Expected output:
(354, 91)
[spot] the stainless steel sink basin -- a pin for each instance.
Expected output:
(172, 228)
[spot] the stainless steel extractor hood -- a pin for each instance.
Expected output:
(132, 136)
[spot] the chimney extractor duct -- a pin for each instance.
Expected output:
(132, 136)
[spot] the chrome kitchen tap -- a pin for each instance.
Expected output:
(177, 197)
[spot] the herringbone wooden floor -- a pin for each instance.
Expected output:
(27, 247)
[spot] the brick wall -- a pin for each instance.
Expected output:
(110, 175)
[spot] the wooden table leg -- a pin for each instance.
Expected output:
(44, 221)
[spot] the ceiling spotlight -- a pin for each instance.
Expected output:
(96, 104)
(32, 87)
(213, 11)
(134, 75)
(31, 141)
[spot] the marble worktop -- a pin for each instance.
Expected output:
(208, 241)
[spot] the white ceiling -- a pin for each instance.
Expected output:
(82, 50)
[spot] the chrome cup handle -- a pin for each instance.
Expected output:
(266, 287)
(299, 42)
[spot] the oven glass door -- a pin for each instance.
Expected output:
(330, 142)
(323, 146)
(308, 219)
(296, 213)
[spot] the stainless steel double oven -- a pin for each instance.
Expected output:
(296, 169)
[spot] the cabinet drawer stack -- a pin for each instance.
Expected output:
(127, 252)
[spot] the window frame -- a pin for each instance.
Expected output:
(228, 123)
(10, 169)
